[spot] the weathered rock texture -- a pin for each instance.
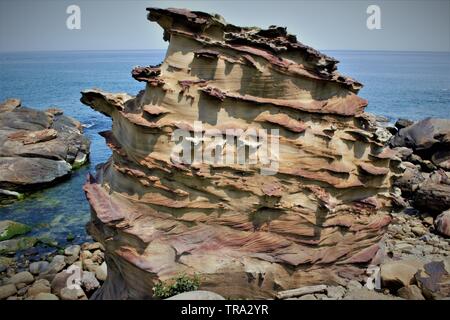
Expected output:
(247, 235)
(37, 147)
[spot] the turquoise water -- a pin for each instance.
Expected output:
(397, 84)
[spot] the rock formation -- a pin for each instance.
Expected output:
(37, 147)
(316, 218)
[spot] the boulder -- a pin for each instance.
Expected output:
(397, 274)
(307, 202)
(442, 223)
(434, 279)
(424, 135)
(37, 148)
(411, 292)
(11, 246)
(433, 195)
(9, 229)
(403, 123)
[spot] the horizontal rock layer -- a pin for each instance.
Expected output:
(316, 218)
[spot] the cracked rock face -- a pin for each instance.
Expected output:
(316, 219)
(36, 147)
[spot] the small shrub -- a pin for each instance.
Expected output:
(179, 284)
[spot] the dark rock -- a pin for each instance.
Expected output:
(424, 134)
(433, 195)
(434, 280)
(403, 123)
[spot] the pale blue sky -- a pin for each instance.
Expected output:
(415, 25)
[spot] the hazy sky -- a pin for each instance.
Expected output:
(114, 24)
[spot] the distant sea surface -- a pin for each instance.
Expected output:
(397, 84)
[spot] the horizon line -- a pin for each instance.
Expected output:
(165, 49)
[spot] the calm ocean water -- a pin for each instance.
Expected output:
(397, 84)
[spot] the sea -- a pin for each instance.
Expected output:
(411, 85)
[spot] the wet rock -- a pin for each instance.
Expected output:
(197, 295)
(9, 229)
(7, 291)
(442, 223)
(38, 267)
(11, 246)
(411, 292)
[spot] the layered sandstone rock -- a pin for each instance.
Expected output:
(37, 148)
(317, 217)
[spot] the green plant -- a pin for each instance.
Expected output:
(176, 285)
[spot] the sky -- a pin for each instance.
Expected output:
(414, 25)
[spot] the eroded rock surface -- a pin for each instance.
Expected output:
(316, 219)
(37, 147)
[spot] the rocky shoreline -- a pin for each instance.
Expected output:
(37, 148)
